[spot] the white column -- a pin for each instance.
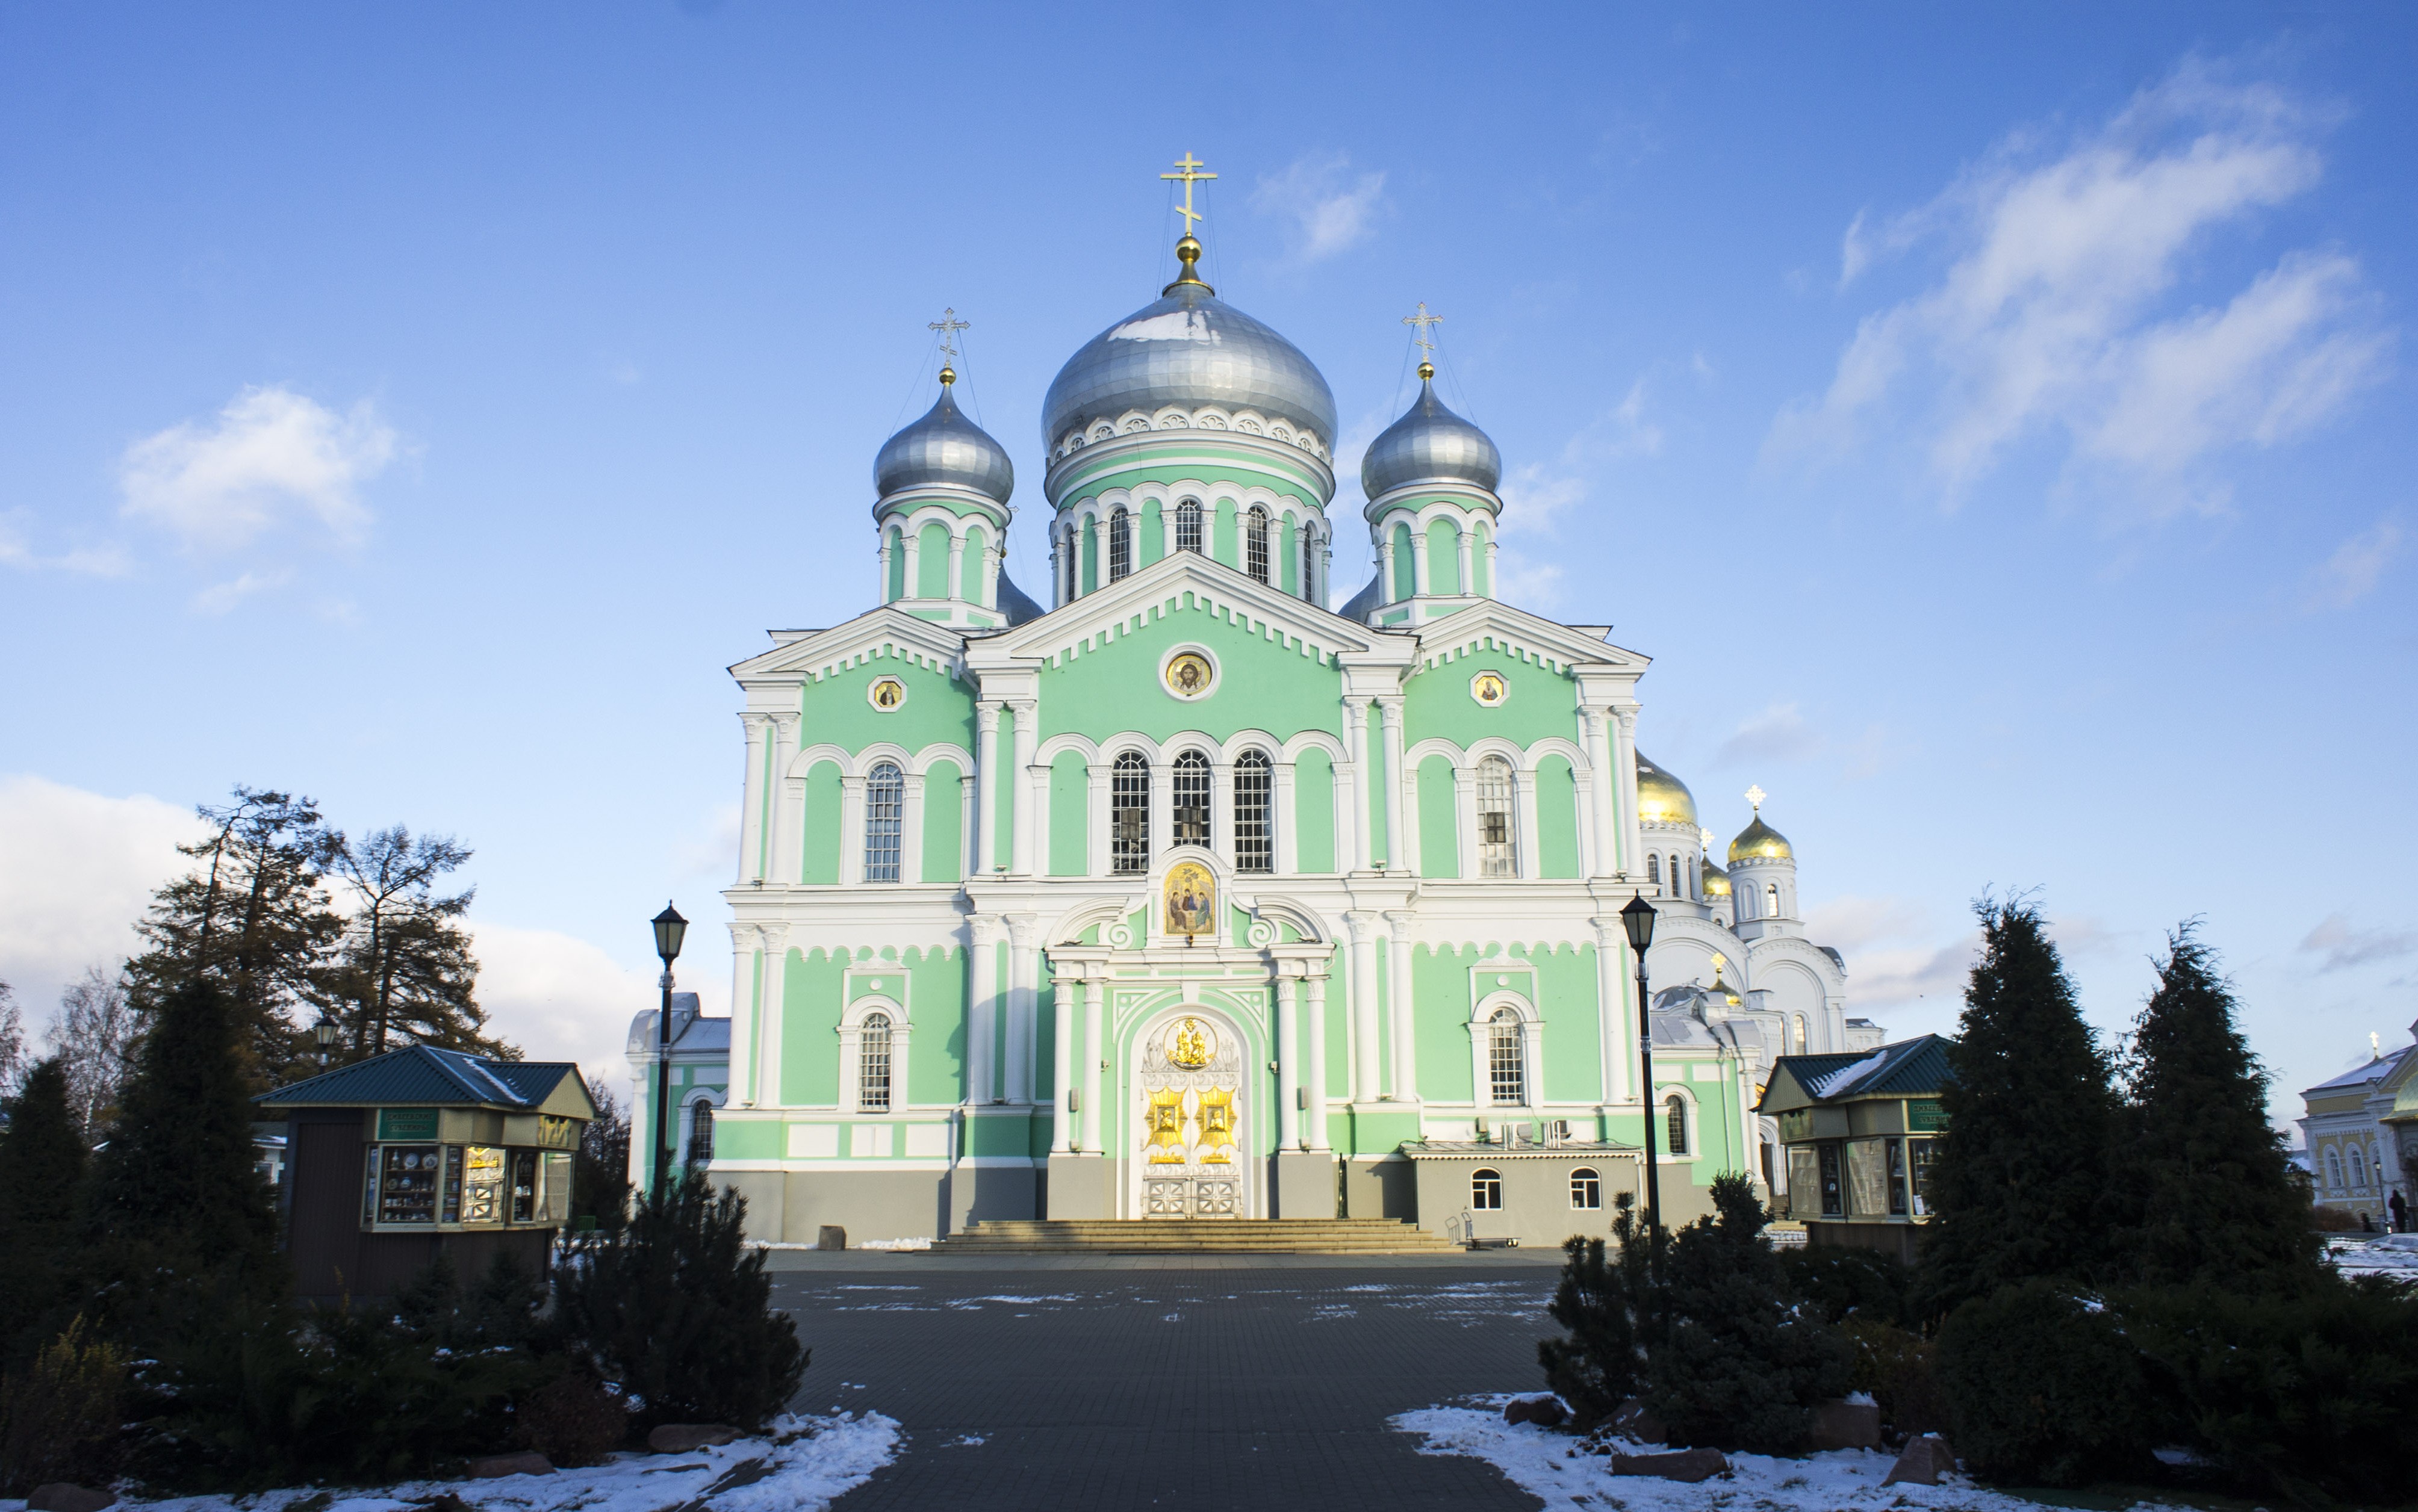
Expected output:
(1386, 563)
(851, 830)
(1096, 1118)
(987, 778)
(1523, 810)
(751, 798)
(1288, 1062)
(1491, 579)
(1316, 1133)
(1624, 791)
(1419, 559)
(1023, 999)
(1614, 989)
(1095, 819)
(881, 589)
(994, 557)
(1025, 851)
(958, 563)
(1407, 838)
(966, 822)
(915, 584)
(910, 830)
(982, 1014)
(746, 1030)
(1603, 788)
(1400, 1005)
(773, 941)
(1363, 987)
(1464, 818)
(1061, 1064)
(788, 801)
(1356, 730)
(1162, 809)
(1287, 822)
(1222, 811)
(1468, 558)
(1396, 852)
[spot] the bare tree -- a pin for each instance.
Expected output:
(12, 1041)
(94, 1038)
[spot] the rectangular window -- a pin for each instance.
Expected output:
(1867, 1178)
(1498, 853)
(1486, 1191)
(1120, 545)
(482, 1183)
(1896, 1177)
(1834, 1194)
(1189, 821)
(1129, 814)
(409, 1179)
(1919, 1153)
(1254, 837)
(873, 1066)
(1804, 1181)
(524, 1185)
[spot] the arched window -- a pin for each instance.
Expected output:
(1678, 879)
(1486, 1189)
(2334, 1172)
(1771, 900)
(1120, 545)
(700, 1132)
(1675, 1119)
(873, 1064)
(1308, 565)
(1586, 1188)
(1654, 868)
(1507, 1060)
(885, 807)
(1129, 814)
(1800, 1036)
(1255, 836)
(2356, 1160)
(1255, 544)
(1188, 526)
(1066, 554)
(1190, 819)
(1498, 847)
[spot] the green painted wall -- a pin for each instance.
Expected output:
(1443, 557)
(1542, 705)
(1224, 544)
(1405, 568)
(1313, 803)
(938, 710)
(932, 561)
(1070, 791)
(1565, 996)
(1262, 684)
(818, 848)
(1441, 1006)
(970, 586)
(944, 827)
(810, 1006)
(1439, 826)
(1195, 460)
(1477, 559)
(936, 1005)
(1146, 538)
(897, 586)
(1557, 818)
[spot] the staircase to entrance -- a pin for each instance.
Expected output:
(1187, 1236)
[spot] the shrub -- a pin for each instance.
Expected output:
(60, 1414)
(574, 1419)
(675, 1308)
(1895, 1366)
(1596, 1368)
(2332, 1220)
(1843, 1283)
(2042, 1387)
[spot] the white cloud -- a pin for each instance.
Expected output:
(1779, 733)
(1332, 208)
(270, 453)
(2352, 571)
(221, 597)
(78, 870)
(2052, 318)
(16, 550)
(1897, 957)
(2344, 945)
(562, 999)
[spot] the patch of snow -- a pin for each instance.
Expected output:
(897, 1243)
(967, 1441)
(1860, 1398)
(1010, 1301)
(805, 1463)
(1174, 325)
(1172, 1318)
(1544, 1464)
(2377, 1255)
(1823, 1086)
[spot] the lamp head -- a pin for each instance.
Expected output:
(1638, 919)
(670, 929)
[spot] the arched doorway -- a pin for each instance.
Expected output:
(1192, 1153)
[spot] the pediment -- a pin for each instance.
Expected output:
(1565, 648)
(1183, 581)
(885, 630)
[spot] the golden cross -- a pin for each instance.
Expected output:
(1189, 171)
(948, 326)
(1423, 320)
(1756, 796)
(1707, 836)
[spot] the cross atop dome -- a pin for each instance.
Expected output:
(1755, 795)
(1187, 168)
(1421, 321)
(948, 326)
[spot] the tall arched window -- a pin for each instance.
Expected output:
(1507, 1060)
(1129, 814)
(1308, 565)
(1771, 900)
(1654, 868)
(700, 1132)
(1188, 526)
(1188, 820)
(1255, 836)
(1255, 544)
(885, 808)
(2356, 1158)
(1678, 879)
(2334, 1172)
(1800, 1036)
(1498, 847)
(1486, 1189)
(1675, 1120)
(1066, 560)
(873, 1064)
(1120, 545)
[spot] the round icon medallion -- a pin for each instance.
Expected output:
(1189, 675)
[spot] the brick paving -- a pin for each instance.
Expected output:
(1078, 1382)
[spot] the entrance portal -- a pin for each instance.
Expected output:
(1190, 1078)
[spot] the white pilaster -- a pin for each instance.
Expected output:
(1391, 709)
(987, 780)
(982, 1032)
(1385, 564)
(751, 799)
(910, 832)
(789, 802)
(773, 954)
(1362, 986)
(912, 543)
(1096, 859)
(1287, 1061)
(1468, 540)
(745, 1028)
(1287, 820)
(1419, 559)
(852, 830)
(1624, 802)
(1355, 728)
(1222, 811)
(1399, 1005)
(958, 563)
(1096, 1118)
(1062, 1062)
(1316, 1133)
(1023, 1002)
(1026, 850)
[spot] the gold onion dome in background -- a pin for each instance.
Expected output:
(1759, 842)
(1711, 880)
(1662, 798)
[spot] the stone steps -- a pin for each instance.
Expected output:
(1195, 1236)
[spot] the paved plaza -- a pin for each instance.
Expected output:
(1230, 1382)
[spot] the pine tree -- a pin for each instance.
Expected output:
(2019, 1184)
(41, 1175)
(254, 920)
(2210, 1186)
(403, 971)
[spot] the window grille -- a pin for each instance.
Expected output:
(1771, 900)
(1069, 557)
(1188, 526)
(1120, 545)
(1309, 566)
(1486, 1190)
(1498, 850)
(873, 1064)
(885, 806)
(1507, 1065)
(1129, 814)
(700, 1132)
(1255, 544)
(1189, 822)
(1586, 1188)
(1653, 869)
(1674, 1118)
(1254, 833)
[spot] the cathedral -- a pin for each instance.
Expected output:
(1185, 895)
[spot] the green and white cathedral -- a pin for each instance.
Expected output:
(1188, 896)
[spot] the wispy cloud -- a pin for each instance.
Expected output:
(2352, 571)
(1332, 206)
(268, 455)
(2052, 315)
(1779, 733)
(16, 550)
(221, 597)
(2344, 945)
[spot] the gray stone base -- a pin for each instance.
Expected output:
(1306, 1186)
(1380, 1188)
(979, 1192)
(1078, 1187)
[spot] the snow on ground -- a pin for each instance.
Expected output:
(1541, 1463)
(800, 1467)
(2379, 1254)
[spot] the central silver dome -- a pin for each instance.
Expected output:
(1187, 348)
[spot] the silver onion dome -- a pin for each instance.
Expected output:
(1430, 443)
(944, 449)
(1189, 348)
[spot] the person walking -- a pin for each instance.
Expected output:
(2400, 1213)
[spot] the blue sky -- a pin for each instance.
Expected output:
(1994, 422)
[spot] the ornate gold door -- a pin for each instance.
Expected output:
(1192, 1164)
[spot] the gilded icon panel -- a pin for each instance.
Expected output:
(1190, 900)
(1490, 689)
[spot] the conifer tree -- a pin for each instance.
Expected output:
(41, 1176)
(2206, 1180)
(2019, 1184)
(404, 972)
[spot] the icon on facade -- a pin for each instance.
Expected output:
(1192, 896)
(1189, 675)
(1488, 689)
(1191, 1043)
(886, 694)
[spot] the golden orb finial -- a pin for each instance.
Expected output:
(948, 374)
(1188, 252)
(1427, 370)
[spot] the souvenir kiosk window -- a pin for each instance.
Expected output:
(407, 1182)
(482, 1183)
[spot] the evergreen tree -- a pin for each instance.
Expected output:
(1600, 1365)
(176, 1188)
(600, 1169)
(41, 1173)
(2210, 1187)
(2019, 1184)
(403, 971)
(254, 922)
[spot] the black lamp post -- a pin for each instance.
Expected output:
(670, 930)
(1638, 919)
(324, 1032)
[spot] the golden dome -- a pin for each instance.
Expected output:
(1760, 842)
(1713, 881)
(1662, 798)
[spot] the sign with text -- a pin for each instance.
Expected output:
(406, 1123)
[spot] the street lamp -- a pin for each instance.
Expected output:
(325, 1031)
(670, 929)
(1638, 919)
